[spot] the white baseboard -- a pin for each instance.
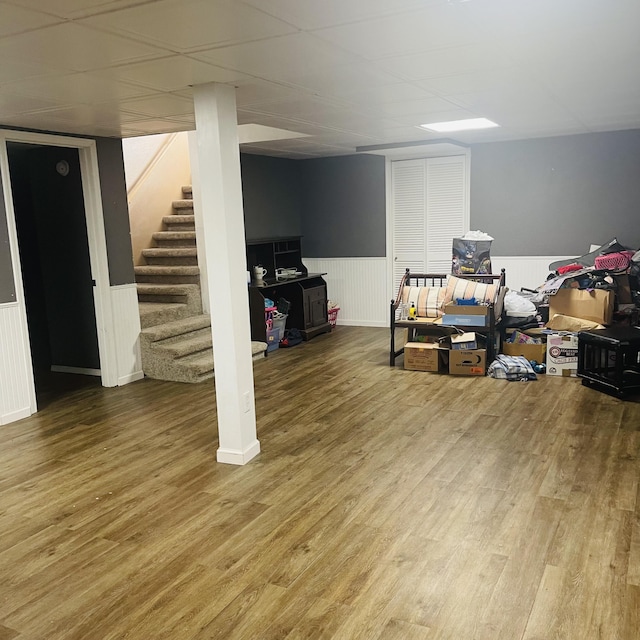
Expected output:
(237, 457)
(363, 323)
(15, 415)
(132, 377)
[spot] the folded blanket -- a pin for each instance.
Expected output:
(511, 368)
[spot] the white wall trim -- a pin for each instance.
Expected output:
(17, 393)
(359, 286)
(126, 321)
(524, 271)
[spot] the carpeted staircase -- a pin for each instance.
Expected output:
(176, 339)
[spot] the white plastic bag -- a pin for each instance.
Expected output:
(518, 306)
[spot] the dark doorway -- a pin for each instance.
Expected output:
(56, 271)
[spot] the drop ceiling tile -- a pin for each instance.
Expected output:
(482, 80)
(17, 19)
(14, 105)
(76, 8)
(344, 78)
(74, 48)
(160, 106)
(191, 24)
(436, 27)
(303, 107)
(417, 107)
(445, 62)
(289, 59)
(253, 91)
(372, 96)
(104, 114)
(76, 88)
(40, 120)
(312, 15)
(453, 113)
(175, 73)
(19, 70)
(155, 125)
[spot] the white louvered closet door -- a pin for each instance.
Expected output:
(430, 208)
(409, 182)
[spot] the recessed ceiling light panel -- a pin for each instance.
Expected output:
(460, 125)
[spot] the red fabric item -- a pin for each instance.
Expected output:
(570, 267)
(614, 261)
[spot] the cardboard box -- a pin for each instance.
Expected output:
(471, 362)
(562, 354)
(537, 352)
(466, 309)
(530, 351)
(595, 305)
(423, 356)
(464, 341)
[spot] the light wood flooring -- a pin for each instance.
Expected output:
(386, 504)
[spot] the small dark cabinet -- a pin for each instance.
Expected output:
(306, 292)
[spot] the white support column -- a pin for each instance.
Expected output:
(201, 246)
(223, 228)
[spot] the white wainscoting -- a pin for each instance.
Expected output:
(524, 271)
(16, 372)
(358, 285)
(126, 324)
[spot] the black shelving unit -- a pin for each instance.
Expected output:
(307, 292)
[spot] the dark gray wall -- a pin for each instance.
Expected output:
(272, 197)
(7, 287)
(344, 207)
(116, 210)
(556, 196)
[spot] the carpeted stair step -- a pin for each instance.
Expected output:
(187, 192)
(177, 328)
(185, 344)
(188, 294)
(180, 222)
(195, 367)
(175, 238)
(182, 207)
(156, 313)
(167, 274)
(186, 256)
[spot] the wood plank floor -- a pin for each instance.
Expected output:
(386, 504)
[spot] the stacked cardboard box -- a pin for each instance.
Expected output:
(444, 357)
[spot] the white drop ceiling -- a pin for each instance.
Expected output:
(346, 73)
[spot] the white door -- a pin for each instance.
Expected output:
(429, 207)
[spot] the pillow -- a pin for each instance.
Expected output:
(460, 288)
(428, 300)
